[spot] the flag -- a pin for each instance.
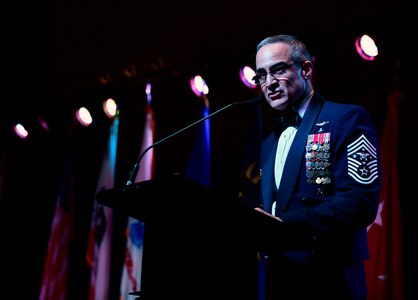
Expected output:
(199, 167)
(54, 284)
(384, 269)
(98, 254)
(132, 268)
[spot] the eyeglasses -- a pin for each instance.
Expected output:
(276, 70)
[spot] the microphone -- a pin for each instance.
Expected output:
(134, 172)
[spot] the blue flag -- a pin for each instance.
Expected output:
(199, 167)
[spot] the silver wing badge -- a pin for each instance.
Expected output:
(320, 124)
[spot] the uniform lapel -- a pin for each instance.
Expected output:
(268, 183)
(297, 152)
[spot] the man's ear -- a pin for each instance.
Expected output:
(307, 69)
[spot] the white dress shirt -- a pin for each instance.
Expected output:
(283, 147)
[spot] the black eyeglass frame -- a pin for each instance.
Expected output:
(276, 70)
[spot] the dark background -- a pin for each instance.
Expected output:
(58, 55)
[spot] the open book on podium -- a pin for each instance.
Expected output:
(198, 244)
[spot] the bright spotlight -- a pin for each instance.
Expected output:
(83, 116)
(21, 131)
(110, 107)
(198, 86)
(247, 74)
(366, 47)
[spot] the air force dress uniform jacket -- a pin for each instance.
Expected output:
(330, 185)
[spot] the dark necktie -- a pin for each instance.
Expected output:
(291, 118)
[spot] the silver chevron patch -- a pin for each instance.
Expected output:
(362, 161)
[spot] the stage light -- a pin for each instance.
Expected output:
(43, 123)
(110, 107)
(83, 116)
(148, 93)
(198, 86)
(247, 74)
(21, 131)
(366, 47)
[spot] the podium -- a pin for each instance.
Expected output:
(198, 244)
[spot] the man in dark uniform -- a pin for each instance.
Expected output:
(320, 175)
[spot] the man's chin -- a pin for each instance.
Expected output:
(279, 104)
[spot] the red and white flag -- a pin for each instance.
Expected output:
(99, 246)
(132, 268)
(54, 285)
(384, 269)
